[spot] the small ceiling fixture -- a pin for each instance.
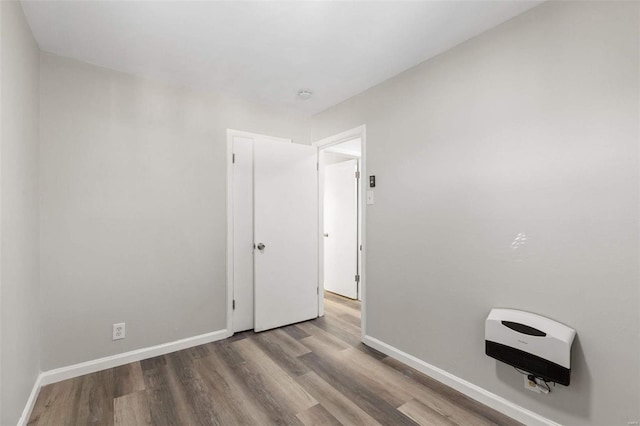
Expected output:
(305, 94)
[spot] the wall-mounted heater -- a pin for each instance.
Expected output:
(538, 345)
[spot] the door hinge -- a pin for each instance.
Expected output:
(360, 247)
(233, 304)
(357, 175)
(233, 158)
(317, 290)
(318, 166)
(357, 278)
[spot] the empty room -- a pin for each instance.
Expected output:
(320, 213)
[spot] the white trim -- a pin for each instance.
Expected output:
(71, 371)
(341, 151)
(320, 218)
(230, 278)
(356, 132)
(31, 402)
(481, 395)
(345, 136)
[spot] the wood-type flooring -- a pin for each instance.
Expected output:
(312, 373)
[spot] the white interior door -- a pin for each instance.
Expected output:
(242, 233)
(285, 233)
(341, 228)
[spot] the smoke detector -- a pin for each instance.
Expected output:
(305, 94)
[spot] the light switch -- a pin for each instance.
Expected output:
(369, 197)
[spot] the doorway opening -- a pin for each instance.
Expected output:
(341, 224)
(341, 214)
(275, 229)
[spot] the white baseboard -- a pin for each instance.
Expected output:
(487, 398)
(64, 373)
(26, 413)
(76, 370)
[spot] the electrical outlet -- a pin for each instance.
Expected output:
(531, 385)
(118, 331)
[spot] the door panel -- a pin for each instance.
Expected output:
(341, 228)
(243, 233)
(286, 222)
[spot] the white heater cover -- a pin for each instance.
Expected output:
(531, 333)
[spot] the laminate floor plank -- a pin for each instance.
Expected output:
(162, 403)
(317, 372)
(337, 308)
(351, 303)
(150, 363)
(197, 352)
(351, 319)
(255, 389)
(234, 405)
(95, 405)
(248, 390)
(424, 415)
(56, 403)
(128, 379)
(156, 377)
(281, 353)
(225, 350)
(340, 329)
(279, 384)
(288, 343)
(386, 387)
(317, 416)
(343, 322)
(327, 340)
(161, 406)
(345, 410)
(132, 409)
(295, 332)
(367, 399)
(197, 405)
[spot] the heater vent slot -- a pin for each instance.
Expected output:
(524, 329)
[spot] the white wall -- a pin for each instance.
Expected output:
(133, 208)
(530, 128)
(19, 293)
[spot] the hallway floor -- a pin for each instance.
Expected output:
(311, 373)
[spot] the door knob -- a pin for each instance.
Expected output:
(326, 234)
(261, 246)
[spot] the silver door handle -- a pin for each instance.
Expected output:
(325, 234)
(261, 246)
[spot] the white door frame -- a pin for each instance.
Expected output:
(357, 132)
(231, 133)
